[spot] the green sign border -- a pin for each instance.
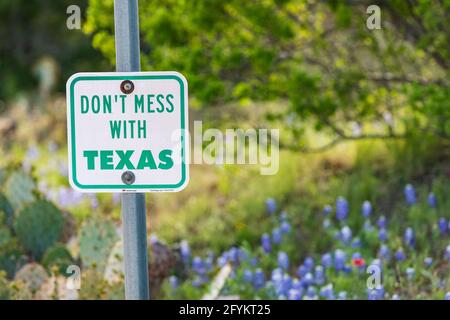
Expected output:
(124, 186)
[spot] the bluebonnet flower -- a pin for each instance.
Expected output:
(242, 255)
(410, 273)
(283, 260)
(327, 292)
(307, 280)
(277, 280)
(233, 255)
(197, 282)
(381, 222)
(311, 292)
(400, 255)
(286, 284)
(356, 243)
(302, 271)
(447, 296)
(339, 259)
(173, 281)
(327, 210)
(385, 253)
(259, 279)
(341, 208)
(375, 294)
(409, 237)
(197, 265)
(276, 274)
(309, 263)
(285, 227)
(347, 269)
(265, 243)
(326, 223)
(319, 275)
(254, 262)
(346, 234)
(410, 194)
(222, 260)
(432, 201)
(442, 224)
(395, 297)
(382, 235)
(185, 251)
(428, 261)
(248, 276)
(447, 252)
(297, 285)
(271, 205)
(366, 209)
(327, 260)
(294, 294)
(342, 295)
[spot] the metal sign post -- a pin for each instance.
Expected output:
(133, 204)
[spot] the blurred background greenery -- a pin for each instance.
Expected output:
(361, 114)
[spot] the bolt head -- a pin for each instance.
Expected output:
(127, 86)
(128, 177)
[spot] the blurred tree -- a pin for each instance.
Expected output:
(317, 56)
(34, 31)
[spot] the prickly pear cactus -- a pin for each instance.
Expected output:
(96, 241)
(5, 291)
(19, 189)
(114, 271)
(57, 256)
(12, 257)
(6, 210)
(39, 226)
(33, 275)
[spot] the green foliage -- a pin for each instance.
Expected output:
(96, 238)
(317, 55)
(6, 210)
(38, 226)
(5, 291)
(19, 188)
(57, 256)
(12, 257)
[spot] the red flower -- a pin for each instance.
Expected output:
(358, 262)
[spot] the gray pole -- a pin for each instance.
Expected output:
(133, 204)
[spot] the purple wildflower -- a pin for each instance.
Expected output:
(283, 260)
(410, 194)
(366, 209)
(432, 201)
(271, 205)
(265, 243)
(341, 208)
(409, 237)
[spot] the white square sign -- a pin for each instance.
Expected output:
(127, 131)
